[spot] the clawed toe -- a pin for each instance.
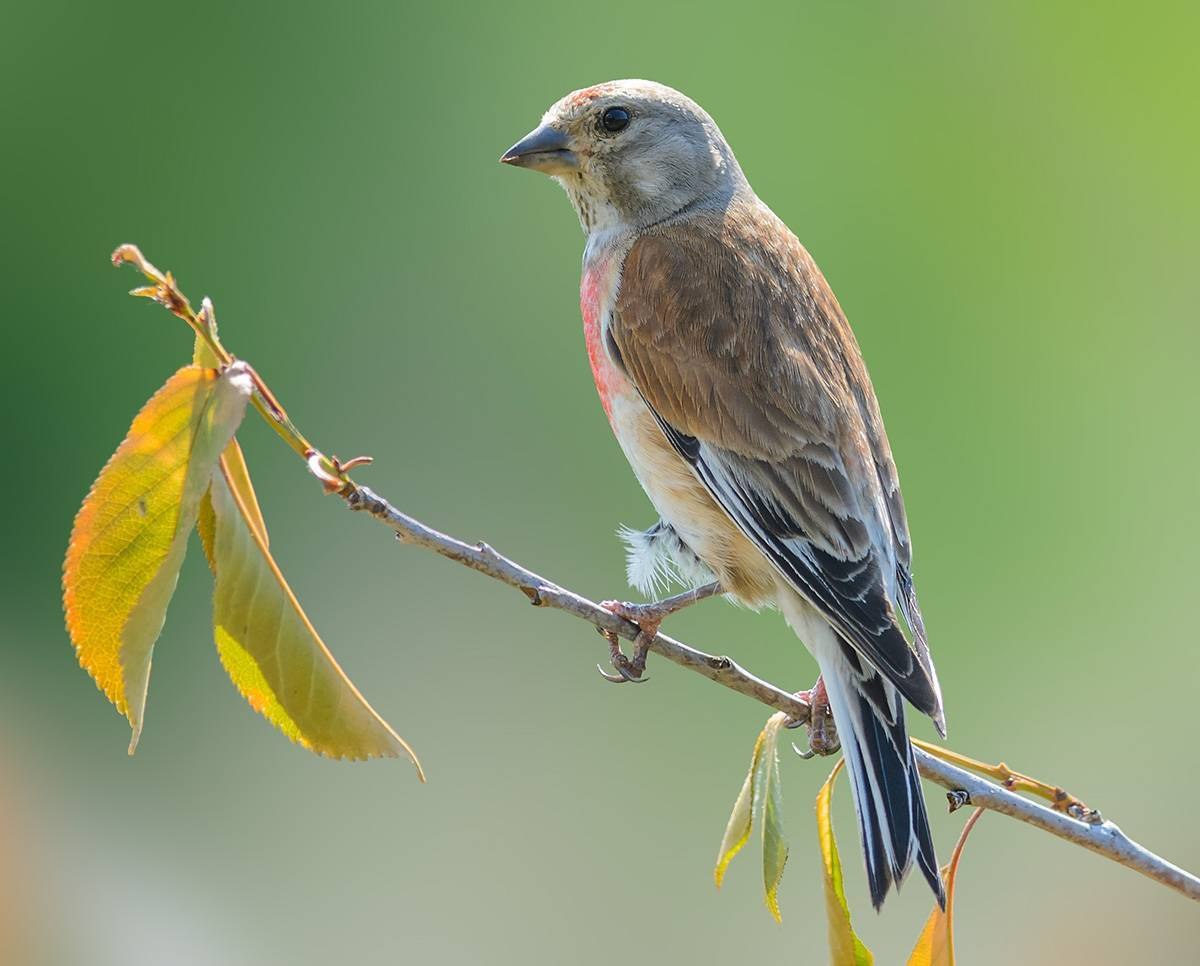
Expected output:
(631, 670)
(822, 732)
(649, 618)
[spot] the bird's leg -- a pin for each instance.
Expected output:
(649, 618)
(822, 732)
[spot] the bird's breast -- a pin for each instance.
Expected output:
(674, 489)
(597, 293)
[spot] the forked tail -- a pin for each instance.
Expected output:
(885, 783)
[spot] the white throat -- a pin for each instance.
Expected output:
(602, 241)
(596, 213)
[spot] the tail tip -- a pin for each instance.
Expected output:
(880, 884)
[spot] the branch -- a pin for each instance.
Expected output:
(1102, 837)
(545, 593)
(1069, 819)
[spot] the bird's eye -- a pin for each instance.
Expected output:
(614, 119)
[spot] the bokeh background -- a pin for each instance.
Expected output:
(1004, 197)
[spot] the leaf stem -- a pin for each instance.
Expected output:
(166, 292)
(1061, 800)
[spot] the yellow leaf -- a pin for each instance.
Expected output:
(202, 355)
(760, 802)
(935, 945)
(130, 535)
(233, 463)
(845, 948)
(272, 652)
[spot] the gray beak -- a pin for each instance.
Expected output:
(544, 149)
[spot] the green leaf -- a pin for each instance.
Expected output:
(760, 802)
(845, 948)
(130, 536)
(737, 830)
(935, 945)
(775, 851)
(272, 652)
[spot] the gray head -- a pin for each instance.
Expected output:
(630, 153)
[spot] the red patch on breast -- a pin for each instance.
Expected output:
(591, 290)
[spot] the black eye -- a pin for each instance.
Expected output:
(614, 119)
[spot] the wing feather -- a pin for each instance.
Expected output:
(739, 349)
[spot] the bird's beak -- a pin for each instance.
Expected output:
(544, 149)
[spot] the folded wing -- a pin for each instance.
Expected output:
(737, 345)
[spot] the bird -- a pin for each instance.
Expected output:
(739, 395)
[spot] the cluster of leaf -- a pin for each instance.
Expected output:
(760, 805)
(180, 468)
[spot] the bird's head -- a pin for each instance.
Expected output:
(629, 153)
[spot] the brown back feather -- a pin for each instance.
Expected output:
(736, 341)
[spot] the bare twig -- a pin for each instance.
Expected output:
(1101, 837)
(1062, 800)
(545, 593)
(1104, 837)
(1072, 820)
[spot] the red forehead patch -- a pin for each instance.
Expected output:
(582, 97)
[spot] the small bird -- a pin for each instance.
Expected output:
(738, 393)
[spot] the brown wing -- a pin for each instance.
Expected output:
(735, 341)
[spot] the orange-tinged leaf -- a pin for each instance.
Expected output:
(935, 945)
(130, 535)
(845, 948)
(272, 652)
(760, 802)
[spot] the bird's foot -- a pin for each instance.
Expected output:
(649, 618)
(822, 732)
(631, 669)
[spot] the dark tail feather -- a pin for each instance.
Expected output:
(886, 785)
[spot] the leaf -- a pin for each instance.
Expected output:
(759, 802)
(737, 830)
(271, 650)
(775, 851)
(232, 460)
(233, 463)
(845, 948)
(130, 535)
(935, 945)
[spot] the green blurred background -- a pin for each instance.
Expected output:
(1004, 197)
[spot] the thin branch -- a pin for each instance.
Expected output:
(1015, 781)
(1091, 832)
(1102, 837)
(545, 593)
